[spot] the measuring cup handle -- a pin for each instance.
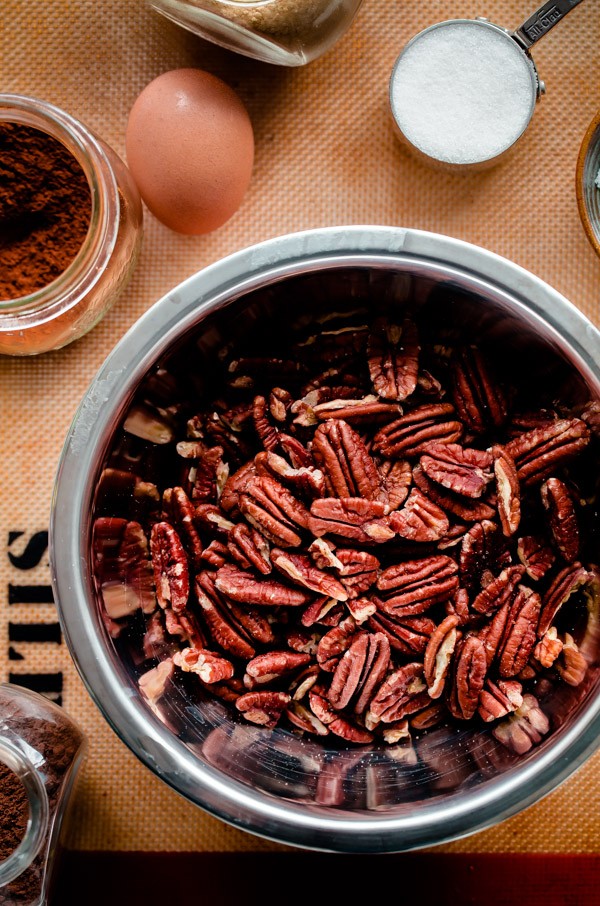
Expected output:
(545, 18)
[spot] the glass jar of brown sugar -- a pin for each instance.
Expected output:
(70, 227)
(284, 32)
(41, 751)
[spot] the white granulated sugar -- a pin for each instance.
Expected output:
(462, 92)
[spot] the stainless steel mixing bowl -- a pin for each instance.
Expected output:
(443, 785)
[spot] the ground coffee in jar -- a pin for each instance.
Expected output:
(41, 750)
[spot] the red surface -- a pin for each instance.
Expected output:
(425, 879)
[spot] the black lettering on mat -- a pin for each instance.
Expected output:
(22, 635)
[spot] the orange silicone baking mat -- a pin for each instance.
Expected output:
(325, 155)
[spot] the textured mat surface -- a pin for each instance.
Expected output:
(325, 155)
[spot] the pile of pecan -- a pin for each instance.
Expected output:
(366, 536)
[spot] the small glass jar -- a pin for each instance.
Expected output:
(77, 299)
(43, 747)
(284, 32)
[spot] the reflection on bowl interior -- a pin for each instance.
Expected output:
(590, 187)
(324, 773)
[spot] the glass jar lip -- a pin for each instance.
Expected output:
(73, 283)
(39, 812)
(251, 4)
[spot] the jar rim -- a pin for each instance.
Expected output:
(75, 282)
(39, 812)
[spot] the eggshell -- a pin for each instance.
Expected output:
(190, 149)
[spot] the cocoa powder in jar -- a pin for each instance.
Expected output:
(14, 811)
(53, 745)
(45, 208)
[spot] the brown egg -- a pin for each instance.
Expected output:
(190, 149)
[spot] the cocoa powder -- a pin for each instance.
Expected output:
(14, 811)
(56, 746)
(45, 207)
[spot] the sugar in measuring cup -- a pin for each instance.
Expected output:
(463, 91)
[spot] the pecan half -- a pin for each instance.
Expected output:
(407, 635)
(171, 571)
(212, 519)
(463, 470)
(465, 508)
(571, 664)
(359, 672)
(235, 485)
(185, 626)
(350, 732)
(343, 457)
(396, 479)
(154, 682)
(548, 648)
(411, 434)
(469, 670)
(538, 453)
(568, 582)
(234, 630)
(216, 554)
(335, 642)
(210, 667)
(273, 511)
(499, 699)
(479, 400)
(393, 358)
(300, 570)
(249, 548)
(438, 655)
(323, 610)
(280, 401)
(357, 570)
(536, 556)
(367, 410)
(321, 707)
(560, 507)
(361, 609)
(302, 718)
(263, 708)
(521, 632)
(420, 519)
(402, 693)
(482, 548)
(245, 588)
(180, 513)
(507, 490)
(351, 517)
(304, 479)
(493, 633)
(415, 585)
(523, 729)
(499, 591)
(273, 665)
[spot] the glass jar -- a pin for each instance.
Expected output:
(43, 747)
(285, 32)
(80, 296)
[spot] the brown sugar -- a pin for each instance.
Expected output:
(45, 208)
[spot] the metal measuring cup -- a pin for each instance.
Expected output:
(463, 91)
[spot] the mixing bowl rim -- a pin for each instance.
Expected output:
(152, 742)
